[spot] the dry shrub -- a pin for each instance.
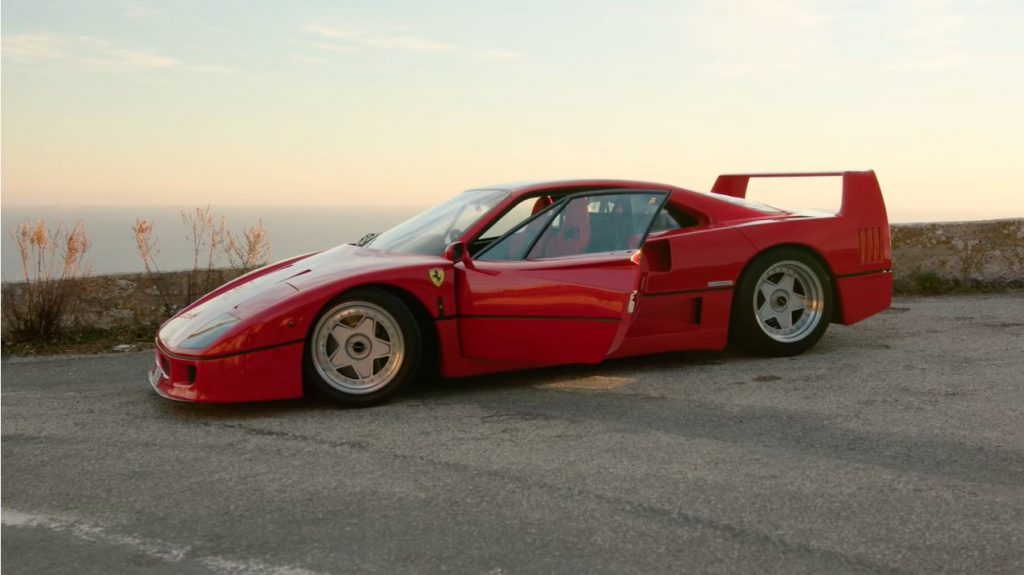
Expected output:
(148, 248)
(146, 244)
(251, 250)
(206, 235)
(212, 245)
(52, 261)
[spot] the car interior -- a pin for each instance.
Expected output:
(600, 223)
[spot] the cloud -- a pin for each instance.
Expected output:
(136, 10)
(308, 59)
(366, 39)
(936, 62)
(499, 55)
(211, 68)
(409, 43)
(929, 40)
(335, 39)
(327, 46)
(754, 38)
(83, 51)
(117, 58)
(30, 47)
(753, 68)
(330, 32)
(934, 27)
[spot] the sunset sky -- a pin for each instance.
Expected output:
(403, 102)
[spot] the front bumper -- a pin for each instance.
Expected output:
(260, 375)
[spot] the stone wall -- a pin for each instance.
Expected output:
(128, 300)
(928, 258)
(115, 300)
(959, 255)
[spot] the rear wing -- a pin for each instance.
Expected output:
(862, 197)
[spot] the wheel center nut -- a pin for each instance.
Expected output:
(779, 300)
(358, 346)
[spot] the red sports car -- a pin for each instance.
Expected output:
(530, 275)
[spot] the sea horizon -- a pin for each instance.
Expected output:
(291, 230)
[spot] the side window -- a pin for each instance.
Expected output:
(672, 219)
(585, 224)
(513, 247)
(664, 222)
(518, 214)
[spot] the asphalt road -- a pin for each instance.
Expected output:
(896, 445)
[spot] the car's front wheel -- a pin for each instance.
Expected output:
(364, 347)
(783, 304)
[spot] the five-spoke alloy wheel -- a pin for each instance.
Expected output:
(783, 303)
(364, 346)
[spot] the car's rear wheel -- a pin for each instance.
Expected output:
(364, 347)
(783, 304)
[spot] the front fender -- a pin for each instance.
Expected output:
(286, 313)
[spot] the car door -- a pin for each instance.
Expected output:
(561, 287)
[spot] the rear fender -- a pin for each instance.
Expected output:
(855, 241)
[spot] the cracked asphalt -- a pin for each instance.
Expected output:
(896, 445)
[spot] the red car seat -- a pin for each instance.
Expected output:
(541, 203)
(571, 237)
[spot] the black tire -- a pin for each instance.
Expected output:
(770, 293)
(356, 371)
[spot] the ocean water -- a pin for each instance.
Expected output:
(291, 231)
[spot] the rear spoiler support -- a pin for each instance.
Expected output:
(862, 197)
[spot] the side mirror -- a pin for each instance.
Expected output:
(457, 252)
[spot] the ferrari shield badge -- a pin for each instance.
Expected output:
(436, 276)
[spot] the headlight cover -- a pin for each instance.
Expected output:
(206, 335)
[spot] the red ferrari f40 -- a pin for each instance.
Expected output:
(530, 275)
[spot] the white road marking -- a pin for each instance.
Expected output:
(149, 547)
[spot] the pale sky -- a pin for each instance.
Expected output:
(405, 102)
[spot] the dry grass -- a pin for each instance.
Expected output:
(52, 260)
(146, 244)
(206, 235)
(213, 248)
(250, 250)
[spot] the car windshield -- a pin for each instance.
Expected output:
(428, 233)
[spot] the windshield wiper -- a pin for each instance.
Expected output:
(366, 239)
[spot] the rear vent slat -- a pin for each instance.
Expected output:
(869, 245)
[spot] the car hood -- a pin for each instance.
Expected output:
(253, 294)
